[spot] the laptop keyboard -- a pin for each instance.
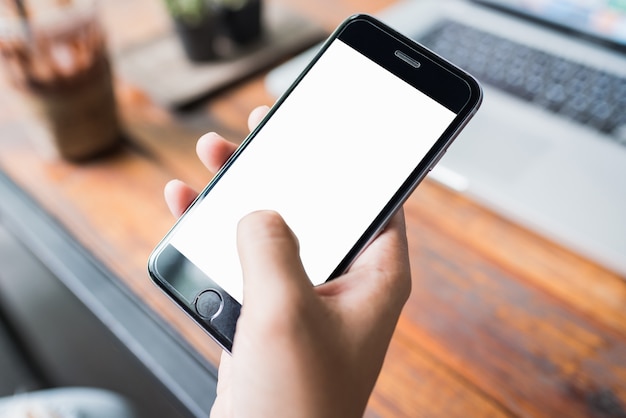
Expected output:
(584, 94)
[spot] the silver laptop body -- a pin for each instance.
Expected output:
(562, 178)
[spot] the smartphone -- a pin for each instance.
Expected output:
(336, 156)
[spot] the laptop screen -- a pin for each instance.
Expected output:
(605, 19)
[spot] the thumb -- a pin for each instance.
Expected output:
(270, 260)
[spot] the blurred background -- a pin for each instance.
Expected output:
(517, 238)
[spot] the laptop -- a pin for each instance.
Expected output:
(548, 147)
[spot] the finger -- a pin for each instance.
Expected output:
(389, 248)
(224, 374)
(380, 277)
(213, 150)
(256, 116)
(178, 196)
(270, 259)
(222, 407)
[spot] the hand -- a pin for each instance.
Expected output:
(300, 350)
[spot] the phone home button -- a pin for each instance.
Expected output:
(209, 304)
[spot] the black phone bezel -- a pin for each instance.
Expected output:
(437, 78)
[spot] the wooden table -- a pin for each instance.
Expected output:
(501, 321)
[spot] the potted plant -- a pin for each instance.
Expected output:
(197, 27)
(199, 23)
(242, 19)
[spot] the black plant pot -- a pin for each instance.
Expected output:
(198, 38)
(243, 25)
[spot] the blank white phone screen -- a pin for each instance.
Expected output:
(328, 161)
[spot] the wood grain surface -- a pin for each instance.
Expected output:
(501, 322)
